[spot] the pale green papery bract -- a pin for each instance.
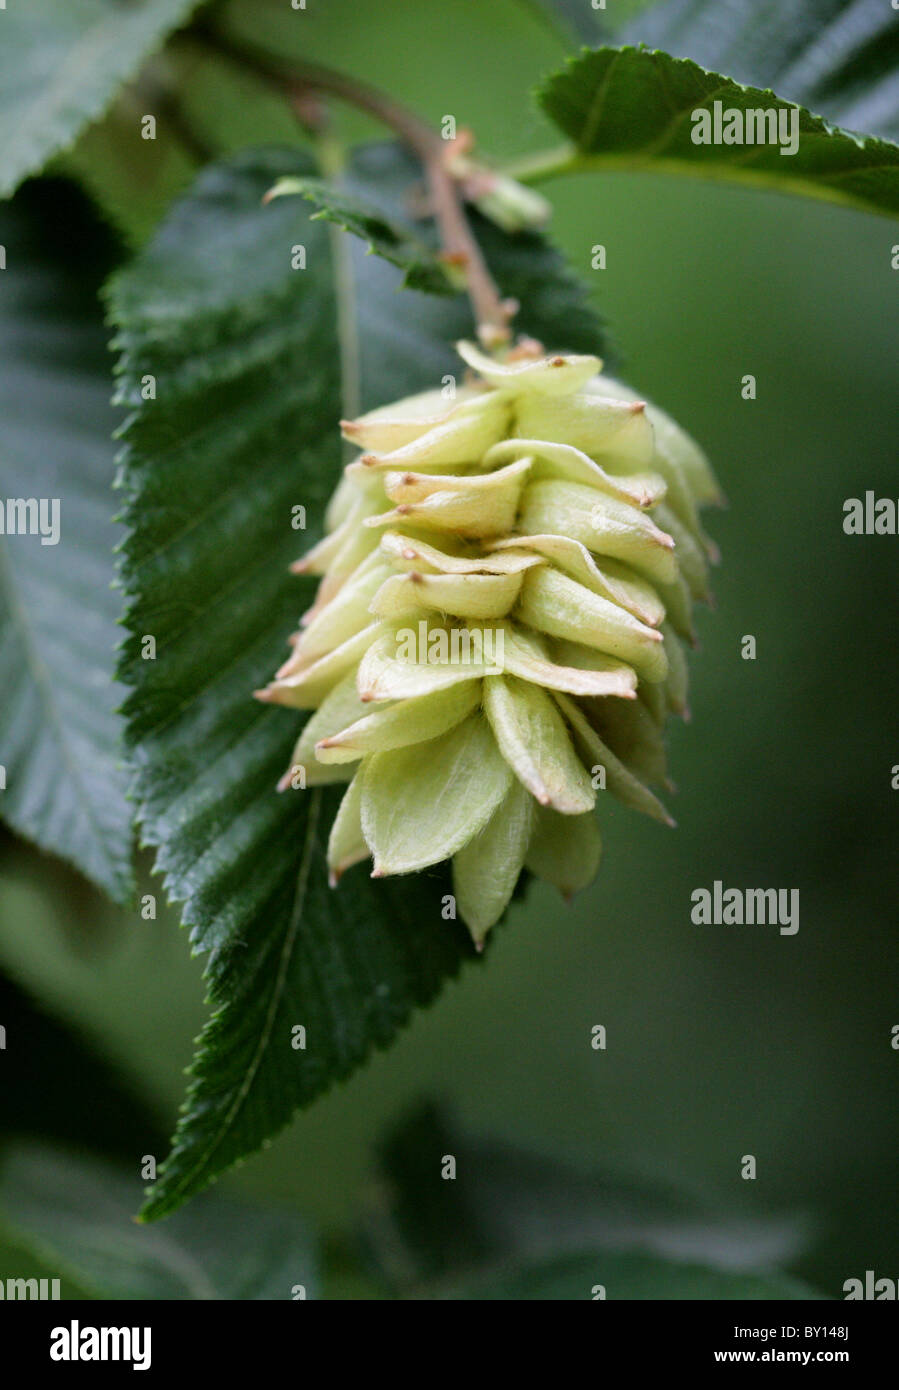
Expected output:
(508, 576)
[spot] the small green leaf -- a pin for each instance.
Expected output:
(62, 62)
(630, 108)
(421, 268)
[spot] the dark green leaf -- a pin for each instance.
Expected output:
(838, 57)
(61, 62)
(77, 1217)
(421, 269)
(60, 742)
(632, 108)
(244, 353)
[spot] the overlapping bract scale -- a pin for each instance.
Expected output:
(507, 581)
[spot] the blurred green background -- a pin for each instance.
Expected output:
(722, 1041)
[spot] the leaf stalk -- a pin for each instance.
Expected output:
(459, 246)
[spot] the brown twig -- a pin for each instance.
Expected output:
(458, 245)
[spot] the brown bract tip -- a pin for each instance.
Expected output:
(463, 143)
(289, 666)
(494, 335)
(525, 349)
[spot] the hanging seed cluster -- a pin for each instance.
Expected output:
(498, 638)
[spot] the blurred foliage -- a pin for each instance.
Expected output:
(76, 1217)
(64, 783)
(44, 1094)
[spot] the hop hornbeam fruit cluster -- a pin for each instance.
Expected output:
(498, 636)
